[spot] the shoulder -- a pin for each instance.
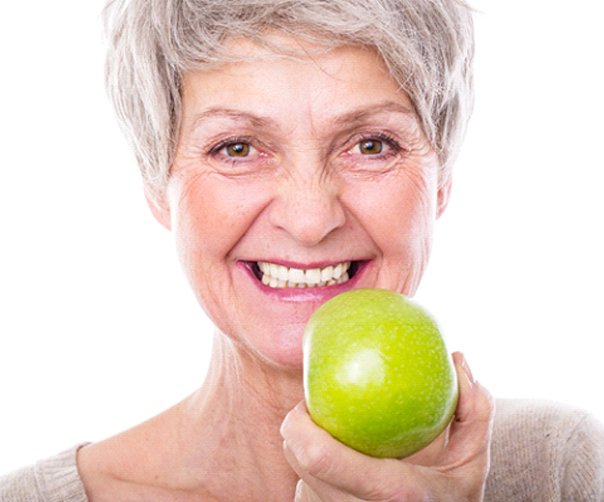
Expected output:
(20, 486)
(51, 480)
(545, 451)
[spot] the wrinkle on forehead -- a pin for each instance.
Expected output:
(337, 64)
(349, 119)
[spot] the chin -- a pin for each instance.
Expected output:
(283, 350)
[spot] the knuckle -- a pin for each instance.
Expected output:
(402, 494)
(315, 459)
(391, 490)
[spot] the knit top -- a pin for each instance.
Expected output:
(541, 452)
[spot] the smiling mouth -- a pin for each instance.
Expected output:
(274, 275)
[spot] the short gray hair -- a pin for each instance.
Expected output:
(428, 46)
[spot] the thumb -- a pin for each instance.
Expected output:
(473, 422)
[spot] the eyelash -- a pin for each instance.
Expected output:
(394, 145)
(216, 149)
(383, 137)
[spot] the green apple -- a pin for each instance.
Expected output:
(377, 374)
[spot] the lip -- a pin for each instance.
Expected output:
(313, 295)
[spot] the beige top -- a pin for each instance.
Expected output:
(541, 452)
(55, 479)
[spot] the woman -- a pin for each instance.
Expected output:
(297, 150)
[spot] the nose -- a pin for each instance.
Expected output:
(308, 211)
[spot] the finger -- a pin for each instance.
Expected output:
(470, 431)
(316, 455)
(433, 453)
(311, 489)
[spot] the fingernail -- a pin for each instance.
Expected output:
(467, 370)
(293, 445)
(299, 488)
(297, 410)
(290, 432)
(284, 425)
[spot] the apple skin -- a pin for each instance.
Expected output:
(377, 374)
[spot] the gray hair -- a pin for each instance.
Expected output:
(427, 45)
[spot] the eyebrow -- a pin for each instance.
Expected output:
(257, 121)
(366, 112)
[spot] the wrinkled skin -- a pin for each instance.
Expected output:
(303, 162)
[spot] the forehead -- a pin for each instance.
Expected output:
(301, 80)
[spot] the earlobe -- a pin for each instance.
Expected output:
(159, 207)
(444, 192)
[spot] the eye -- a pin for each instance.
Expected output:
(239, 149)
(240, 155)
(371, 146)
(376, 146)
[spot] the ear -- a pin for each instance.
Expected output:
(444, 192)
(159, 206)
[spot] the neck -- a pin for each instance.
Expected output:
(243, 402)
(221, 443)
(237, 378)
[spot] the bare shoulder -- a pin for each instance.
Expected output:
(137, 464)
(120, 464)
(121, 469)
(543, 450)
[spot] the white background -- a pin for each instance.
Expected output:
(98, 329)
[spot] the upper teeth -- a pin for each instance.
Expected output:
(280, 276)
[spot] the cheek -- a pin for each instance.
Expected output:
(210, 215)
(398, 213)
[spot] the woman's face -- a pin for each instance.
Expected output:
(295, 180)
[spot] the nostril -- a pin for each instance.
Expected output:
(308, 215)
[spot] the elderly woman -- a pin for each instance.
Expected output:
(296, 150)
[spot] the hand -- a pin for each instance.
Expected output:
(452, 468)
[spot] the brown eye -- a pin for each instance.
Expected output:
(371, 147)
(238, 150)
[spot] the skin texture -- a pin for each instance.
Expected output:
(305, 195)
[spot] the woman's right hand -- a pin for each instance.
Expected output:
(453, 468)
